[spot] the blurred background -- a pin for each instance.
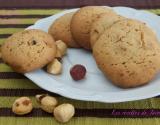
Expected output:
(77, 3)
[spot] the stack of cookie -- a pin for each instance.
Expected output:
(126, 50)
(74, 28)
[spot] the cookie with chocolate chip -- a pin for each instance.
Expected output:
(103, 22)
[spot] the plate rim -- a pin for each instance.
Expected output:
(90, 97)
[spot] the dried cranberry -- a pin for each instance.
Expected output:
(78, 72)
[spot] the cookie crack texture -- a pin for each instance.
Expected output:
(126, 52)
(82, 22)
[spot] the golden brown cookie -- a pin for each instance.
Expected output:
(82, 21)
(128, 53)
(28, 50)
(60, 30)
(104, 21)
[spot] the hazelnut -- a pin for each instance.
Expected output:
(55, 67)
(64, 112)
(22, 105)
(78, 72)
(58, 53)
(62, 47)
(47, 103)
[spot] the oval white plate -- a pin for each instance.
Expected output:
(95, 87)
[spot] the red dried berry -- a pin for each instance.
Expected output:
(78, 72)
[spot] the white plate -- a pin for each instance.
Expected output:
(95, 87)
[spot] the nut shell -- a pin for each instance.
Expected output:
(62, 47)
(55, 67)
(47, 103)
(22, 105)
(64, 112)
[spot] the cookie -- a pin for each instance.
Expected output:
(28, 50)
(82, 21)
(128, 53)
(60, 30)
(104, 21)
